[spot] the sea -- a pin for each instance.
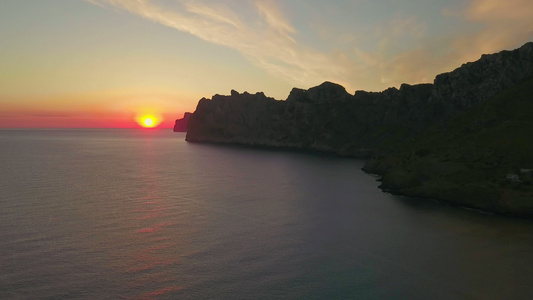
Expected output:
(142, 214)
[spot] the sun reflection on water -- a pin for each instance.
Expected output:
(156, 257)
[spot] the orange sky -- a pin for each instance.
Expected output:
(44, 119)
(101, 63)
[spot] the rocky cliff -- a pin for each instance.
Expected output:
(324, 118)
(480, 159)
(396, 127)
(327, 118)
(475, 82)
(182, 124)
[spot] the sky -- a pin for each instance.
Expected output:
(105, 63)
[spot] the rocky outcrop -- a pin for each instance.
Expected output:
(251, 119)
(479, 129)
(327, 118)
(416, 135)
(467, 161)
(181, 124)
(324, 118)
(475, 82)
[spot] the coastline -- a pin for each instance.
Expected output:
(458, 140)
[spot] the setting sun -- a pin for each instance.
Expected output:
(148, 121)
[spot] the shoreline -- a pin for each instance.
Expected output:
(379, 178)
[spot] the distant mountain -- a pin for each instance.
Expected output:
(455, 140)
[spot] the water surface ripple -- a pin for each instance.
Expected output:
(141, 214)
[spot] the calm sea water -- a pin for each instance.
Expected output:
(142, 214)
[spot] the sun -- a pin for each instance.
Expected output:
(148, 121)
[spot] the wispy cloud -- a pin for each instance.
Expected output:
(405, 48)
(266, 38)
(95, 2)
(504, 23)
(402, 27)
(407, 54)
(500, 11)
(275, 19)
(399, 55)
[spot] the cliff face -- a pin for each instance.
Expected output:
(453, 140)
(182, 124)
(467, 162)
(324, 118)
(238, 118)
(327, 118)
(475, 82)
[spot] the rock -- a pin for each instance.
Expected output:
(327, 118)
(423, 138)
(475, 82)
(182, 124)
(475, 160)
(324, 118)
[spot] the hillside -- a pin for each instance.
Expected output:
(467, 161)
(453, 140)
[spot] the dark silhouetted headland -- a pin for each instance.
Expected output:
(182, 124)
(465, 139)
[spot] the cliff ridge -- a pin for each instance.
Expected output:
(454, 139)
